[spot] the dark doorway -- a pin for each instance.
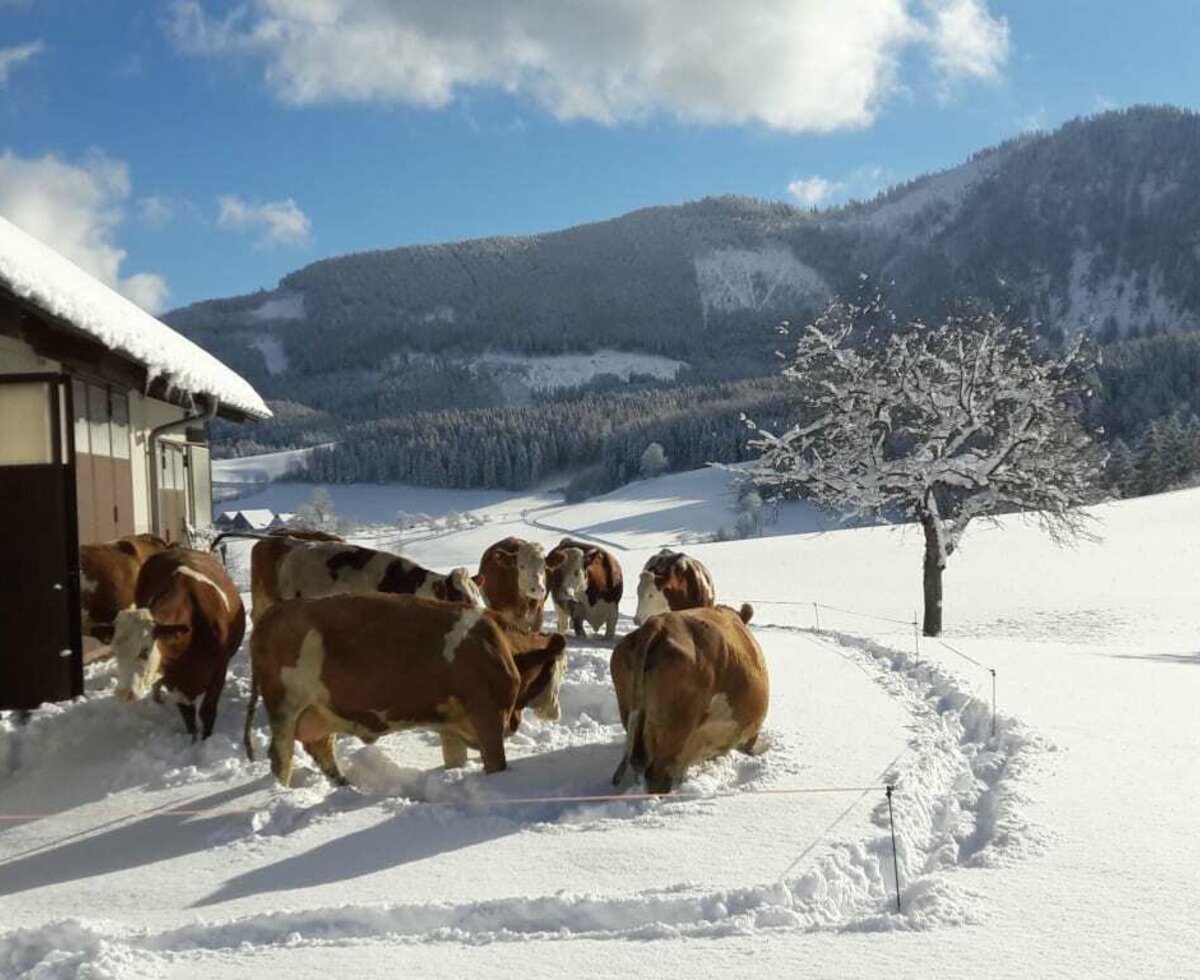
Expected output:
(40, 649)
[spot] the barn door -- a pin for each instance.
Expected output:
(40, 649)
(172, 492)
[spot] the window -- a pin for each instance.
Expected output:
(98, 416)
(25, 433)
(118, 404)
(79, 396)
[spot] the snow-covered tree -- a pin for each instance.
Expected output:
(653, 462)
(938, 424)
(317, 512)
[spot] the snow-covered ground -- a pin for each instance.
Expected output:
(1062, 844)
(262, 468)
(554, 371)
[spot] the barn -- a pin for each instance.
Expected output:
(103, 414)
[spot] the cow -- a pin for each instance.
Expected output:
(290, 568)
(512, 577)
(585, 584)
(144, 545)
(186, 625)
(368, 664)
(108, 576)
(265, 557)
(317, 568)
(690, 685)
(671, 581)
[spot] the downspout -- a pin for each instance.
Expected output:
(203, 417)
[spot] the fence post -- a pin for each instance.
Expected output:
(895, 860)
(817, 616)
(993, 671)
(917, 638)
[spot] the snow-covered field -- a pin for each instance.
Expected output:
(1061, 844)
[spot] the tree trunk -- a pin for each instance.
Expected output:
(934, 564)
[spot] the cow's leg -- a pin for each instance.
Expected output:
(577, 622)
(188, 710)
(610, 627)
(321, 751)
(454, 751)
(283, 746)
(208, 709)
(489, 729)
(561, 619)
(750, 745)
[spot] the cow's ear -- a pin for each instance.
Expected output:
(127, 547)
(555, 559)
(478, 580)
(169, 629)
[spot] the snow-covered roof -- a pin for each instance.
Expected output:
(36, 273)
(260, 520)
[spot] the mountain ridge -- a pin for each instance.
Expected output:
(1091, 226)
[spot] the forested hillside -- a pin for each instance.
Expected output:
(1092, 227)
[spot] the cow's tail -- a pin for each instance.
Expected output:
(746, 613)
(635, 728)
(251, 707)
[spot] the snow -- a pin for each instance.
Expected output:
(556, 371)
(947, 190)
(35, 272)
(1061, 845)
(731, 280)
(1130, 300)
(285, 306)
(271, 348)
(261, 468)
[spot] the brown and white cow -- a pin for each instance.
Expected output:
(187, 624)
(290, 568)
(107, 578)
(586, 585)
(512, 577)
(370, 664)
(671, 581)
(691, 685)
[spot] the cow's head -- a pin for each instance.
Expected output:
(529, 561)
(135, 648)
(462, 587)
(540, 660)
(568, 576)
(652, 596)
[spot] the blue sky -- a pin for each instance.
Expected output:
(183, 149)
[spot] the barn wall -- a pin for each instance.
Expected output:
(146, 414)
(17, 357)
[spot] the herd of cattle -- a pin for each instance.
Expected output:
(353, 640)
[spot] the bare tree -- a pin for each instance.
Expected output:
(938, 424)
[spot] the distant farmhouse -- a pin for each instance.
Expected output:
(252, 520)
(103, 411)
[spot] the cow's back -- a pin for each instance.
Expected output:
(180, 582)
(353, 653)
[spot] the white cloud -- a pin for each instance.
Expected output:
(76, 209)
(10, 58)
(787, 64)
(966, 40)
(812, 192)
(277, 222)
